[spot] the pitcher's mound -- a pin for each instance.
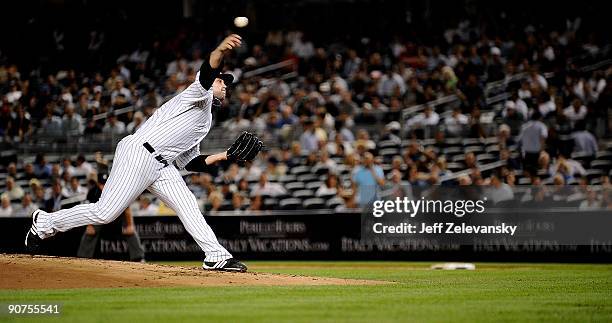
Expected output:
(41, 272)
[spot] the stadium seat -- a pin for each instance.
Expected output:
(320, 170)
(295, 186)
(454, 166)
(601, 164)
(314, 185)
(314, 203)
(451, 151)
(290, 204)
(594, 173)
(334, 202)
(389, 152)
(300, 170)
(327, 196)
(388, 144)
(270, 203)
(603, 155)
(486, 158)
(287, 178)
(306, 178)
(471, 142)
(303, 194)
(474, 149)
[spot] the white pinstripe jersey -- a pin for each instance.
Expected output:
(176, 129)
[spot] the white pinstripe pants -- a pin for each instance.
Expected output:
(135, 170)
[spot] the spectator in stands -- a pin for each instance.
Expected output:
(6, 209)
(350, 203)
(38, 193)
(83, 167)
(67, 166)
(273, 168)
(114, 126)
(576, 112)
(256, 203)
(28, 171)
(546, 105)
(215, 200)
(396, 187)
(237, 124)
(531, 140)
(584, 141)
(330, 188)
(138, 120)
(367, 179)
(145, 207)
(470, 160)
(309, 141)
(242, 187)
(456, 123)
(499, 191)
(27, 207)
(91, 128)
(513, 118)
(264, 187)
(54, 202)
(41, 168)
(425, 119)
(591, 202)
(325, 162)
(250, 171)
(11, 170)
(567, 165)
(237, 202)
(72, 123)
(74, 188)
(51, 126)
(20, 126)
(364, 141)
(12, 190)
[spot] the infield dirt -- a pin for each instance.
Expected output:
(42, 272)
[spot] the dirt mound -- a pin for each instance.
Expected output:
(41, 272)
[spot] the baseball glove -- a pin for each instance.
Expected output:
(245, 148)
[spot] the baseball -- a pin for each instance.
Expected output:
(241, 22)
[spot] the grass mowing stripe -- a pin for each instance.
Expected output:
(494, 292)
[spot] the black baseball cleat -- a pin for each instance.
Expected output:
(32, 241)
(225, 265)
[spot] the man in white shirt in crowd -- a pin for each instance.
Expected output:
(137, 121)
(309, 140)
(12, 191)
(518, 104)
(6, 209)
(27, 206)
(531, 139)
(456, 123)
(263, 187)
(499, 191)
(74, 188)
(427, 118)
(575, 112)
(584, 141)
(113, 126)
(72, 123)
(145, 207)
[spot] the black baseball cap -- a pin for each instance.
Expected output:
(227, 78)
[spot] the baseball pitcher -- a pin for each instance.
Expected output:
(146, 159)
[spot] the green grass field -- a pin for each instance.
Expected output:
(494, 292)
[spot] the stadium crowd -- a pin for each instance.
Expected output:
(348, 123)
